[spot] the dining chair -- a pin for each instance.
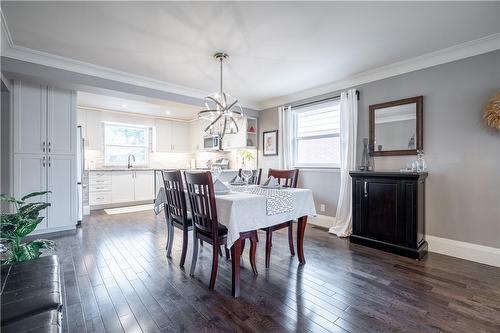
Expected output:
(176, 212)
(286, 178)
(256, 174)
(206, 227)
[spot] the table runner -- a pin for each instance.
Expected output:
(277, 200)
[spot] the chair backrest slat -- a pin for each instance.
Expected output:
(202, 198)
(256, 175)
(287, 178)
(174, 191)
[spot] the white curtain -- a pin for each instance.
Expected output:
(342, 225)
(285, 137)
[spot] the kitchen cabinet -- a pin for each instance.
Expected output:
(44, 127)
(388, 211)
(172, 136)
(195, 136)
(94, 130)
(245, 138)
(122, 188)
(143, 185)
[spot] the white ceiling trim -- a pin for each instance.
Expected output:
(461, 51)
(5, 29)
(135, 114)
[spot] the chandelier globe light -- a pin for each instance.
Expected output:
(222, 114)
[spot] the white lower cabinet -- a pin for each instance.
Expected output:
(143, 185)
(122, 186)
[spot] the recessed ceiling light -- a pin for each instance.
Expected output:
(167, 112)
(124, 106)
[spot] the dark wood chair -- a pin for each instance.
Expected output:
(205, 224)
(176, 212)
(287, 178)
(255, 180)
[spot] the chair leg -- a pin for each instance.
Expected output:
(253, 250)
(220, 250)
(201, 242)
(170, 239)
(195, 253)
(185, 235)
(290, 238)
(269, 240)
(242, 246)
(227, 252)
(215, 265)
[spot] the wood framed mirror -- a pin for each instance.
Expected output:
(396, 128)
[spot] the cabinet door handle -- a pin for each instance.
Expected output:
(366, 188)
(49, 147)
(49, 160)
(43, 147)
(43, 162)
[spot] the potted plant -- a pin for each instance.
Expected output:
(245, 155)
(16, 226)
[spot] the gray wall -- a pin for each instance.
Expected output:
(463, 155)
(5, 140)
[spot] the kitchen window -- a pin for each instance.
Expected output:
(316, 136)
(121, 140)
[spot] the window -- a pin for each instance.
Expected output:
(316, 135)
(121, 140)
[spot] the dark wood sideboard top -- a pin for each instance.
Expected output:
(391, 174)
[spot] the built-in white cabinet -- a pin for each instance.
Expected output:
(172, 136)
(122, 186)
(195, 136)
(94, 138)
(44, 130)
(245, 138)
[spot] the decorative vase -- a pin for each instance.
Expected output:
(364, 157)
(370, 166)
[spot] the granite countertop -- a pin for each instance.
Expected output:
(152, 169)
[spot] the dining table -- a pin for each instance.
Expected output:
(252, 207)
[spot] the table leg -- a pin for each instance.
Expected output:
(235, 262)
(301, 228)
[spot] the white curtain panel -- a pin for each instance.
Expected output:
(285, 137)
(342, 225)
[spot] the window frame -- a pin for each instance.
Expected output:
(296, 138)
(146, 145)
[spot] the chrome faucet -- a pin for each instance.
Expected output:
(129, 164)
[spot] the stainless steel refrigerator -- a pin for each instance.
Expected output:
(80, 162)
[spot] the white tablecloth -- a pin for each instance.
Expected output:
(240, 212)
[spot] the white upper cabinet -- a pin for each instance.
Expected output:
(195, 136)
(61, 121)
(163, 135)
(180, 136)
(144, 184)
(95, 130)
(30, 118)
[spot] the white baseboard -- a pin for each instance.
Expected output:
(321, 220)
(463, 250)
(51, 230)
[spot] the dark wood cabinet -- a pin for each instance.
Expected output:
(389, 211)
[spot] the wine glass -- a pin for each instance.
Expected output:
(216, 172)
(246, 174)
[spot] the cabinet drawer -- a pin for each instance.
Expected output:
(100, 188)
(100, 175)
(100, 198)
(100, 182)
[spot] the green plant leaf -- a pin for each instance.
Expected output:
(34, 194)
(6, 198)
(27, 227)
(32, 210)
(35, 246)
(20, 254)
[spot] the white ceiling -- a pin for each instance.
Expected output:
(275, 48)
(157, 108)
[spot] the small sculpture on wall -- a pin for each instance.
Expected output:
(491, 112)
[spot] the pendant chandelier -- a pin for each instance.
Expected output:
(223, 114)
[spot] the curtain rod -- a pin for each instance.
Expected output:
(322, 100)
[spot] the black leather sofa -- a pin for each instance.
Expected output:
(31, 297)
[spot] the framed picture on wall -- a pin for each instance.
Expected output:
(270, 141)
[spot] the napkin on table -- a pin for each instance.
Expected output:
(236, 180)
(271, 181)
(220, 186)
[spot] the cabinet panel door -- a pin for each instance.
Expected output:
(30, 118)
(30, 174)
(144, 185)
(95, 130)
(61, 123)
(62, 184)
(163, 135)
(381, 198)
(180, 136)
(122, 186)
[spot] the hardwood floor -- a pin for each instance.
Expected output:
(117, 278)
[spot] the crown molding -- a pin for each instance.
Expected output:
(457, 52)
(5, 29)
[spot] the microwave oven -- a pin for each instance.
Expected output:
(211, 142)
